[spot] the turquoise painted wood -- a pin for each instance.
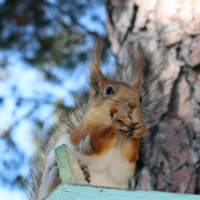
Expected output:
(63, 164)
(81, 192)
(69, 168)
(70, 172)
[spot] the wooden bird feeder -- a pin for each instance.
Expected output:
(74, 186)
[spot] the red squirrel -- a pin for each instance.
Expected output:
(107, 138)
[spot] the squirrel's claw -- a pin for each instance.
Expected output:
(86, 172)
(121, 121)
(139, 129)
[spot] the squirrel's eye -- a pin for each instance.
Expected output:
(140, 99)
(109, 91)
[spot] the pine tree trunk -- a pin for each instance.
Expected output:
(168, 29)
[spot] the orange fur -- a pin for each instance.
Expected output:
(137, 74)
(103, 139)
(130, 149)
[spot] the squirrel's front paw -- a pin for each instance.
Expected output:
(139, 129)
(85, 170)
(122, 122)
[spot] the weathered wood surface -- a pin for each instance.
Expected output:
(69, 168)
(72, 191)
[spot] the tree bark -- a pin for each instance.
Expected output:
(168, 29)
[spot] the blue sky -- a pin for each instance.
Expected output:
(31, 85)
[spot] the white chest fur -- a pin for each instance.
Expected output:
(110, 169)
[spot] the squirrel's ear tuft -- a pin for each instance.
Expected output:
(96, 77)
(139, 61)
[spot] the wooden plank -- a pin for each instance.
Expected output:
(63, 164)
(76, 171)
(57, 194)
(69, 168)
(84, 192)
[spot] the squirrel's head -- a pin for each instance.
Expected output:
(106, 93)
